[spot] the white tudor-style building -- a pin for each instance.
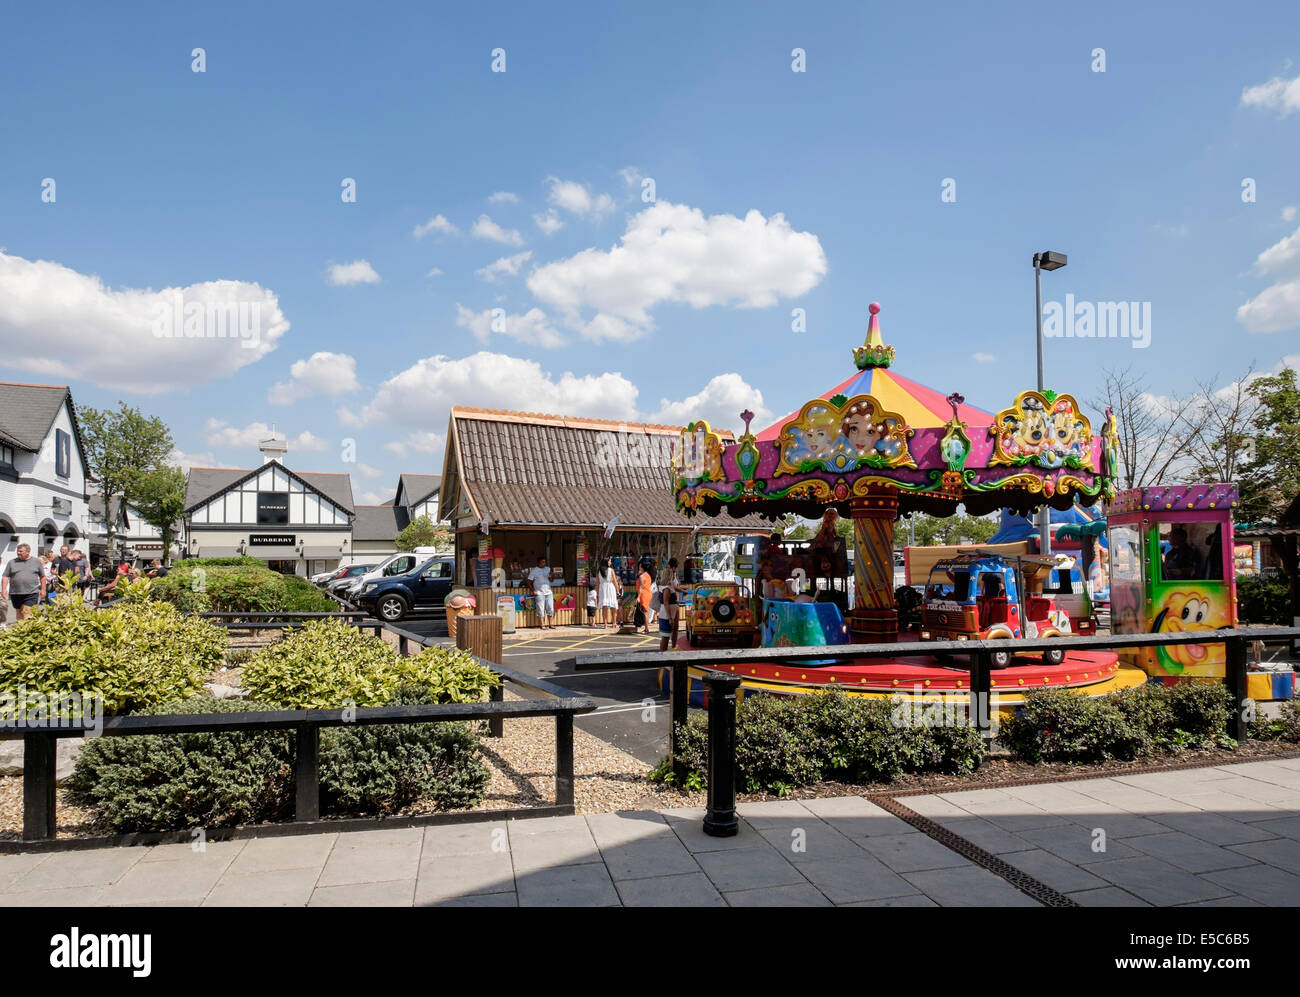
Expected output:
(299, 522)
(43, 470)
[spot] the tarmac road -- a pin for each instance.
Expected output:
(623, 718)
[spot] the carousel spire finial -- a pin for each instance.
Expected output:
(874, 352)
(748, 416)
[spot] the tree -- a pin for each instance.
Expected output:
(121, 445)
(1217, 425)
(1149, 444)
(159, 494)
(423, 532)
(1270, 478)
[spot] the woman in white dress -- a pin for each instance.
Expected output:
(608, 597)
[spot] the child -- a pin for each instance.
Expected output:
(591, 606)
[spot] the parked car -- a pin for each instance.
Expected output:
(392, 597)
(396, 564)
(345, 576)
(719, 611)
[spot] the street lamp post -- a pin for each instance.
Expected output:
(1046, 260)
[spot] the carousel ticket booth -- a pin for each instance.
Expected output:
(1171, 571)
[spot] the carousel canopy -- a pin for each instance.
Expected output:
(882, 438)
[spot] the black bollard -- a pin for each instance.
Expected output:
(720, 815)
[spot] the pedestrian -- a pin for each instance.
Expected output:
(591, 604)
(540, 578)
(668, 603)
(23, 582)
(645, 585)
(607, 602)
(156, 569)
(81, 566)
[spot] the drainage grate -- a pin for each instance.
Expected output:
(1022, 881)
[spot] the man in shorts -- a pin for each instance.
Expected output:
(23, 582)
(540, 577)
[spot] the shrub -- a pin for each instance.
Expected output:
(135, 654)
(329, 663)
(1147, 710)
(238, 585)
(161, 782)
(1263, 600)
(1284, 727)
(1200, 711)
(385, 768)
(782, 743)
(1060, 725)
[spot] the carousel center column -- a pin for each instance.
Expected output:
(874, 617)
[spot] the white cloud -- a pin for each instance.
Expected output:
(1275, 95)
(1288, 213)
(435, 272)
(370, 472)
(183, 460)
(720, 402)
(70, 326)
(219, 433)
(503, 197)
(577, 199)
(437, 224)
(531, 327)
(418, 442)
(631, 176)
(983, 357)
(422, 395)
(347, 274)
(506, 266)
(486, 228)
(1277, 307)
(330, 374)
(375, 498)
(549, 223)
(674, 253)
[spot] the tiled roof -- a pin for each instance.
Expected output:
(378, 522)
(28, 410)
(523, 469)
(205, 482)
(418, 487)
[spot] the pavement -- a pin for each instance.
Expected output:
(620, 695)
(1222, 836)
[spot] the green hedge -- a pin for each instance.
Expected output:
(1285, 727)
(329, 663)
(136, 654)
(1057, 725)
(172, 782)
(238, 585)
(783, 743)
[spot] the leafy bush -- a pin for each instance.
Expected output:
(1263, 600)
(1200, 711)
(238, 585)
(1285, 727)
(161, 782)
(383, 769)
(1059, 725)
(329, 663)
(782, 743)
(135, 654)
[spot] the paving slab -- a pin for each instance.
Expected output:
(689, 890)
(969, 886)
(480, 900)
(866, 878)
(1188, 852)
(1283, 827)
(910, 900)
(627, 825)
(443, 877)
(466, 839)
(1265, 884)
(1107, 896)
(1283, 853)
(795, 895)
(277, 888)
(567, 886)
(810, 840)
(740, 869)
(393, 893)
(381, 860)
(986, 835)
(1158, 882)
(659, 855)
(1052, 870)
(175, 882)
(307, 851)
(912, 852)
(1076, 843)
(688, 824)
(76, 896)
(94, 867)
(1215, 828)
(536, 846)
(769, 813)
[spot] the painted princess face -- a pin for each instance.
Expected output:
(862, 432)
(820, 437)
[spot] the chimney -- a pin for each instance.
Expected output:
(273, 449)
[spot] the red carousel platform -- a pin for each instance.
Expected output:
(919, 676)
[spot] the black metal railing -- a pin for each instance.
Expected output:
(289, 620)
(40, 750)
(980, 652)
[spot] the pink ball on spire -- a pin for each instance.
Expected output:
(874, 307)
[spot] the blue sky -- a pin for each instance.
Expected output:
(168, 178)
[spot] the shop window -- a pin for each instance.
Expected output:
(1191, 551)
(272, 508)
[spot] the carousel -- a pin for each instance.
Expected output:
(878, 446)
